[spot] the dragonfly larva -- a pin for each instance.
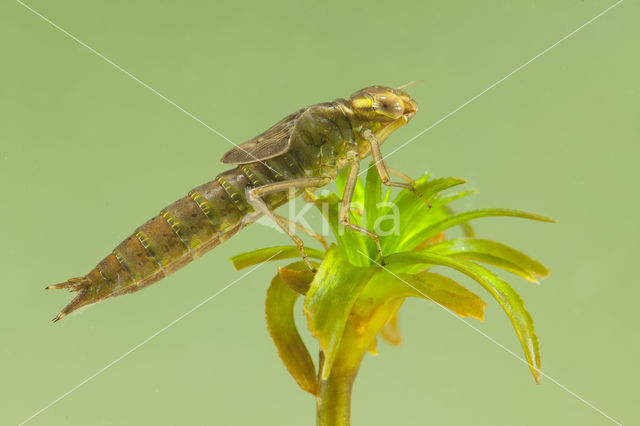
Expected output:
(304, 151)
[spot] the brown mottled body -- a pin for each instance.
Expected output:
(185, 230)
(305, 150)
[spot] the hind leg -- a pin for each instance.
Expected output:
(258, 204)
(310, 232)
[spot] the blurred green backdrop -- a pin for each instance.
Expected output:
(87, 154)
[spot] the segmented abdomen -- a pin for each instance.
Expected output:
(182, 232)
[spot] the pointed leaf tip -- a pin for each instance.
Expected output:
(297, 276)
(505, 295)
(493, 253)
(445, 292)
(391, 332)
(255, 257)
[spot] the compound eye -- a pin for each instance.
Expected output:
(391, 106)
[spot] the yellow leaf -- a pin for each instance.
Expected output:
(282, 328)
(391, 333)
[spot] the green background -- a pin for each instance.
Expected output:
(87, 154)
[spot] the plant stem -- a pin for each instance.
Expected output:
(333, 403)
(334, 399)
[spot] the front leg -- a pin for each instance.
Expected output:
(254, 198)
(345, 206)
(383, 170)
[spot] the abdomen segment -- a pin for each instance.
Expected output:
(181, 232)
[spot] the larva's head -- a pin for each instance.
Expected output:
(383, 105)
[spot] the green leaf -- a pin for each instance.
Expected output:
(373, 196)
(408, 202)
(446, 292)
(328, 303)
(282, 328)
(494, 253)
(415, 215)
(349, 240)
(437, 214)
(498, 288)
(449, 198)
(416, 237)
(426, 285)
(244, 260)
(372, 206)
(466, 227)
